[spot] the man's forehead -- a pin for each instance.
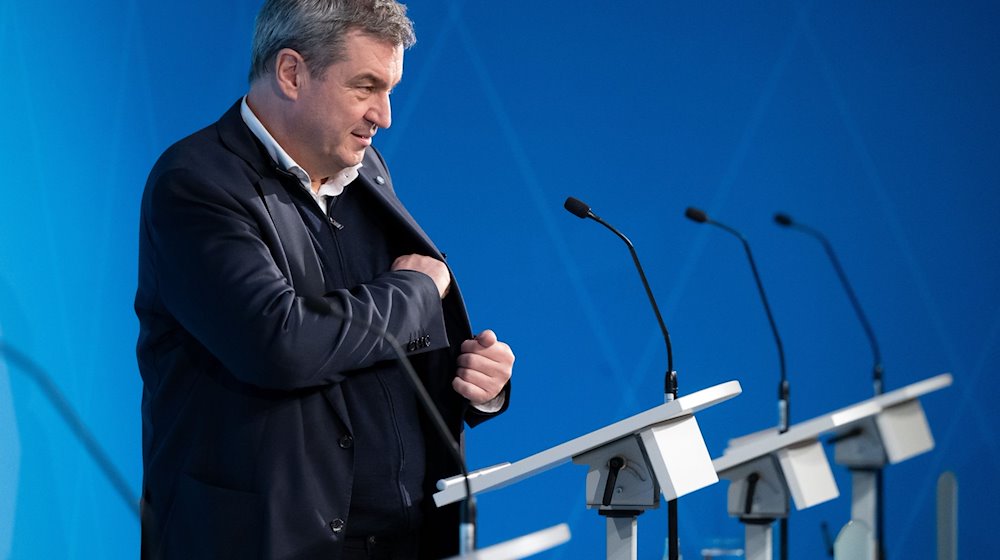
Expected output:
(358, 43)
(366, 55)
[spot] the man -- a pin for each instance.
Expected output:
(277, 422)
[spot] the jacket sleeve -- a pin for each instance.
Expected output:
(216, 275)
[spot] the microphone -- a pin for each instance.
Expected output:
(877, 370)
(878, 375)
(784, 397)
(580, 209)
(698, 215)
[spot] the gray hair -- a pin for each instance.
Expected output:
(316, 29)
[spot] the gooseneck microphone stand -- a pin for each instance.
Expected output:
(581, 210)
(878, 371)
(75, 423)
(784, 392)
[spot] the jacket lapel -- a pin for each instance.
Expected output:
(372, 178)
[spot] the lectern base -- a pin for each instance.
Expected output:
(759, 535)
(621, 532)
(864, 496)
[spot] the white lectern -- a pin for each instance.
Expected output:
(767, 468)
(897, 432)
(631, 462)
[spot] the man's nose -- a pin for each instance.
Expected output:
(380, 113)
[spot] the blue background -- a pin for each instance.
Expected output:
(875, 122)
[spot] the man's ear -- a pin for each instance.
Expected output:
(289, 72)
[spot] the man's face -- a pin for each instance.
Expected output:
(338, 113)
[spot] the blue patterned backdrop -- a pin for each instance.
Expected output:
(875, 122)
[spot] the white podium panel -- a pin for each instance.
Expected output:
(807, 473)
(684, 472)
(904, 431)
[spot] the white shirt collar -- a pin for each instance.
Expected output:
(333, 186)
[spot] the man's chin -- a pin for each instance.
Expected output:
(350, 160)
(357, 157)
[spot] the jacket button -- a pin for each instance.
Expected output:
(426, 340)
(337, 525)
(346, 442)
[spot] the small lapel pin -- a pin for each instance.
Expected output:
(379, 180)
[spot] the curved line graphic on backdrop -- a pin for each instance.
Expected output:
(10, 458)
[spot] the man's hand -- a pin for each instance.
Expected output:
(484, 367)
(432, 267)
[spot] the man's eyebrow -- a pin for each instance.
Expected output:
(369, 77)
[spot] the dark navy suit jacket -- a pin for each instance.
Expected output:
(246, 436)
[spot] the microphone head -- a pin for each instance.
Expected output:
(696, 215)
(783, 219)
(577, 207)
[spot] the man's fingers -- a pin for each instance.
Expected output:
(480, 379)
(437, 270)
(484, 368)
(497, 351)
(486, 338)
(474, 393)
(477, 386)
(487, 359)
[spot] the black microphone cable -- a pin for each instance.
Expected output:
(468, 512)
(107, 467)
(69, 415)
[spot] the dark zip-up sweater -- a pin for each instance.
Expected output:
(358, 240)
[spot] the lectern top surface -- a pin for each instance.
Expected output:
(453, 489)
(748, 448)
(914, 390)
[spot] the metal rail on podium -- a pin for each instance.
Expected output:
(631, 462)
(521, 547)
